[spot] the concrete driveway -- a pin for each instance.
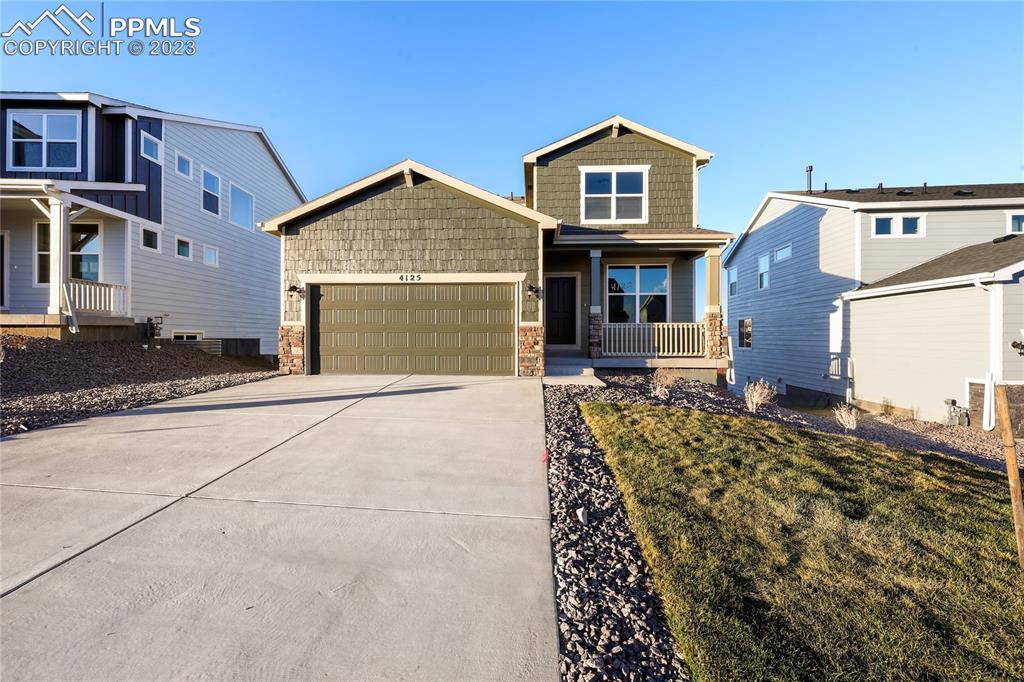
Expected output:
(339, 527)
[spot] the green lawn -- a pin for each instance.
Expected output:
(787, 554)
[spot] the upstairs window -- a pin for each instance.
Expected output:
(637, 293)
(731, 280)
(183, 165)
(183, 247)
(898, 226)
(150, 240)
(211, 193)
(44, 140)
(242, 208)
(783, 253)
(1015, 223)
(763, 274)
(613, 194)
(211, 256)
(152, 148)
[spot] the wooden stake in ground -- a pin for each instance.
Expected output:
(1012, 470)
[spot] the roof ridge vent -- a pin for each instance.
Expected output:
(964, 192)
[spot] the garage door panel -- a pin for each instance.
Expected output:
(417, 328)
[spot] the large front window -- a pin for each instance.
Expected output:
(637, 293)
(43, 140)
(613, 194)
(84, 247)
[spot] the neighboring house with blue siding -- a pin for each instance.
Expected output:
(799, 277)
(116, 216)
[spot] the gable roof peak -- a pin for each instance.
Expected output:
(703, 155)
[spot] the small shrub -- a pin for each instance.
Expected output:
(662, 383)
(758, 394)
(846, 415)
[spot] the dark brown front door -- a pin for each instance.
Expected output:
(560, 311)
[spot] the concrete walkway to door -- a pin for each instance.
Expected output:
(330, 527)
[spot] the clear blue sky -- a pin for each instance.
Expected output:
(867, 92)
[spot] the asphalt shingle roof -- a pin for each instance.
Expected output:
(988, 256)
(1006, 190)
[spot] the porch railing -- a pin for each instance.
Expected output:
(654, 340)
(98, 297)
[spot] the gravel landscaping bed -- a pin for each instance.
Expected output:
(45, 382)
(611, 625)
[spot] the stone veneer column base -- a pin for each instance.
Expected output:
(291, 349)
(531, 351)
(594, 322)
(713, 334)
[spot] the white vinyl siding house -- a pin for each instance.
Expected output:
(791, 317)
(240, 297)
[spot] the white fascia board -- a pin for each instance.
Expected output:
(68, 185)
(91, 98)
(701, 154)
(945, 203)
(1002, 275)
(273, 224)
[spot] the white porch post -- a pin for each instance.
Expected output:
(60, 254)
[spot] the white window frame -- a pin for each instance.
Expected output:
(638, 293)
(191, 164)
(614, 170)
(1009, 220)
(767, 271)
(191, 247)
(775, 253)
(159, 239)
(897, 226)
(77, 113)
(234, 186)
(732, 285)
(159, 160)
(35, 249)
(739, 333)
(203, 190)
(199, 333)
(216, 256)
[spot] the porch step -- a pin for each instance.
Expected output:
(568, 367)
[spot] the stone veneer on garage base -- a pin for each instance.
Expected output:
(531, 351)
(291, 350)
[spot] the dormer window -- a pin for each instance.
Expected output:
(44, 140)
(613, 194)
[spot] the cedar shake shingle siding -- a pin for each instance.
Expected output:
(670, 194)
(427, 228)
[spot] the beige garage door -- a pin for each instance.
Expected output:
(415, 328)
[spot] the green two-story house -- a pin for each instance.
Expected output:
(413, 271)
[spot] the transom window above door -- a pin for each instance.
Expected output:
(613, 194)
(637, 293)
(44, 140)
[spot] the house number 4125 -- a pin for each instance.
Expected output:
(410, 278)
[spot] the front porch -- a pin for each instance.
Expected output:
(66, 264)
(633, 305)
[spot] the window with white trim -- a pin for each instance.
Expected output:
(84, 248)
(897, 226)
(732, 280)
(637, 293)
(187, 336)
(211, 256)
(1015, 223)
(613, 194)
(151, 148)
(44, 140)
(183, 165)
(150, 240)
(243, 207)
(783, 253)
(763, 271)
(183, 248)
(211, 192)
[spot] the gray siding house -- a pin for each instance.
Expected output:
(810, 308)
(116, 215)
(412, 270)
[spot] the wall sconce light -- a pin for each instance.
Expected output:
(296, 289)
(532, 290)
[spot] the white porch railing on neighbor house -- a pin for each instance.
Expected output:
(98, 297)
(654, 340)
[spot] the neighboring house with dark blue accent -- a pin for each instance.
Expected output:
(817, 304)
(114, 215)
